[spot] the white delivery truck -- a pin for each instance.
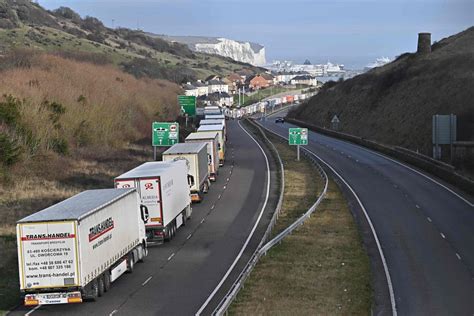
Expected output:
(219, 128)
(195, 157)
(214, 117)
(212, 110)
(75, 249)
(211, 138)
(164, 196)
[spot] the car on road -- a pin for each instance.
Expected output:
(280, 120)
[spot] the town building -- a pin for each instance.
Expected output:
(304, 80)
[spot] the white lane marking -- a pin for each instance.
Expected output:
(349, 156)
(33, 310)
(429, 219)
(382, 256)
(457, 255)
(202, 221)
(442, 235)
(251, 232)
(212, 207)
(417, 206)
(227, 179)
(224, 187)
(113, 312)
(219, 197)
(357, 160)
(189, 236)
(412, 169)
(147, 280)
(172, 255)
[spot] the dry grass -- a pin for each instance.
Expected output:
(113, 107)
(320, 269)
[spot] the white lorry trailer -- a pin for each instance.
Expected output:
(212, 110)
(214, 122)
(219, 128)
(212, 150)
(75, 249)
(164, 196)
(214, 117)
(195, 156)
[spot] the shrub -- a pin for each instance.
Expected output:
(10, 111)
(10, 150)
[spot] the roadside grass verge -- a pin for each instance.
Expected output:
(320, 269)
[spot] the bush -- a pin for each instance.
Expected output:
(59, 145)
(10, 150)
(67, 13)
(10, 111)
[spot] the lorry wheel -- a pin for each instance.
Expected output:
(100, 286)
(173, 229)
(167, 232)
(106, 281)
(93, 292)
(130, 263)
(143, 253)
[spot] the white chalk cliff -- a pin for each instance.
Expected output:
(241, 51)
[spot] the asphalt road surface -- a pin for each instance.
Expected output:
(178, 277)
(426, 231)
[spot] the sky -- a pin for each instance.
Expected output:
(352, 32)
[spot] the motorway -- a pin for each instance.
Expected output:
(425, 228)
(178, 277)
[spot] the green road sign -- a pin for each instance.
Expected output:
(165, 134)
(187, 103)
(298, 136)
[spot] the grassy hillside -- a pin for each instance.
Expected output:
(26, 24)
(394, 104)
(53, 105)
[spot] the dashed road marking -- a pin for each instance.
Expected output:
(225, 187)
(202, 221)
(219, 197)
(212, 207)
(429, 219)
(442, 235)
(417, 206)
(172, 255)
(147, 280)
(457, 255)
(189, 236)
(227, 180)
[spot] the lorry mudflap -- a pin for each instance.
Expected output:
(53, 298)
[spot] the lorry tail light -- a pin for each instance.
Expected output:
(74, 297)
(30, 300)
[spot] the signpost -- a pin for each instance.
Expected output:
(298, 136)
(187, 103)
(444, 133)
(164, 134)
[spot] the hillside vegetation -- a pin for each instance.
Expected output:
(394, 104)
(55, 105)
(26, 24)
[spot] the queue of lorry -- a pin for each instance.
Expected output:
(74, 250)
